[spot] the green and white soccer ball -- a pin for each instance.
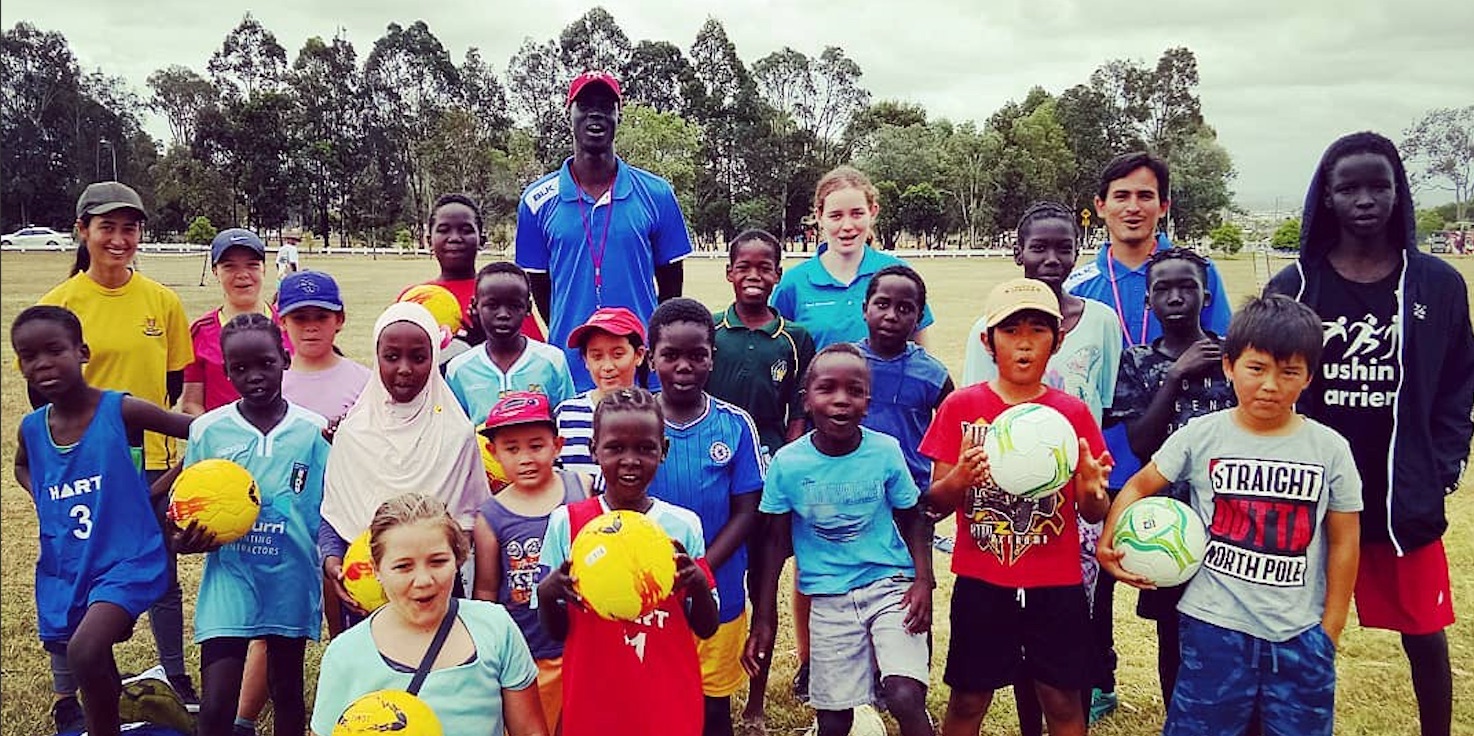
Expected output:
(1032, 450)
(1162, 539)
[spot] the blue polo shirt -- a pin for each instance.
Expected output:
(1093, 281)
(832, 312)
(556, 222)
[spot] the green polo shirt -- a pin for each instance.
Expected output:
(761, 371)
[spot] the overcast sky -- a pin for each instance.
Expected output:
(1280, 80)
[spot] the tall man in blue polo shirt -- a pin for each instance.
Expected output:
(1134, 195)
(598, 232)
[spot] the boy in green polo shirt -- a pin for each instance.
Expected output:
(759, 363)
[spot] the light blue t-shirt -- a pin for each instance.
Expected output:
(466, 698)
(477, 383)
(832, 312)
(269, 582)
(844, 536)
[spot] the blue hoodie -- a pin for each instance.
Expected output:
(1435, 393)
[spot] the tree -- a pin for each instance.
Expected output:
(200, 231)
(656, 75)
(249, 60)
(594, 42)
(1429, 221)
(820, 95)
(1034, 160)
(1227, 238)
(723, 100)
(537, 83)
(1439, 152)
(664, 143)
(921, 211)
(1201, 173)
(328, 125)
(1287, 235)
(1160, 102)
(178, 94)
(484, 98)
(1097, 131)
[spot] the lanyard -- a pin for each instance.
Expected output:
(1116, 292)
(597, 256)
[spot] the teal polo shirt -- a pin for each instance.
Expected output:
(832, 312)
(762, 371)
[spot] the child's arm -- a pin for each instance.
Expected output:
(22, 463)
(488, 557)
(917, 532)
(950, 483)
(556, 592)
(1148, 431)
(1092, 475)
(695, 586)
(778, 530)
(1343, 554)
(736, 531)
(1147, 482)
(192, 402)
(140, 414)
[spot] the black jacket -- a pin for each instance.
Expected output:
(1432, 425)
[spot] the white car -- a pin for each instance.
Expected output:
(34, 237)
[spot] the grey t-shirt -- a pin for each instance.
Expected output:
(1264, 499)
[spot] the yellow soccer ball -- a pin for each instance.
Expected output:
(496, 475)
(358, 575)
(442, 305)
(624, 565)
(220, 495)
(388, 711)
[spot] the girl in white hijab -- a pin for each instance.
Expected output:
(406, 434)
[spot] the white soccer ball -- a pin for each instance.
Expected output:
(1162, 539)
(1032, 450)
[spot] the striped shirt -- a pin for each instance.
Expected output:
(575, 420)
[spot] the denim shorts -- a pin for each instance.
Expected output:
(854, 635)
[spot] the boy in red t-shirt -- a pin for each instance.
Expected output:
(1019, 602)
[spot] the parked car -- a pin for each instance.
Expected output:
(35, 237)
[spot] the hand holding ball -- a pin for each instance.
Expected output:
(624, 565)
(218, 496)
(358, 575)
(1032, 450)
(1160, 539)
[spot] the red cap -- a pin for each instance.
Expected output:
(518, 407)
(587, 78)
(616, 321)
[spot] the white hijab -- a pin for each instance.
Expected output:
(384, 448)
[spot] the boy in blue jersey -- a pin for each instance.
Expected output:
(508, 360)
(103, 560)
(714, 467)
(1134, 195)
(266, 584)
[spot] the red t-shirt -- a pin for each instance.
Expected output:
(630, 678)
(208, 367)
(1003, 539)
(465, 292)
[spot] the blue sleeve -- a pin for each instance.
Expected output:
(750, 468)
(459, 391)
(517, 670)
(695, 540)
(774, 500)
(533, 252)
(1220, 309)
(785, 296)
(672, 239)
(556, 544)
(329, 544)
(900, 487)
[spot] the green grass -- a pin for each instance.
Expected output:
(1375, 698)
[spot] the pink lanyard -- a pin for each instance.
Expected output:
(597, 256)
(1116, 292)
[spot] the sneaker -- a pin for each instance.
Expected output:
(801, 683)
(185, 687)
(1102, 704)
(152, 700)
(67, 714)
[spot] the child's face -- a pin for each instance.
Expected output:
(1175, 293)
(753, 272)
(837, 395)
(1047, 253)
(500, 305)
(417, 567)
(454, 237)
(611, 360)
(1131, 208)
(1362, 193)
(892, 312)
(239, 272)
(1021, 347)
(405, 360)
(682, 360)
(846, 217)
(50, 359)
(629, 446)
(312, 330)
(254, 363)
(112, 238)
(527, 452)
(1267, 388)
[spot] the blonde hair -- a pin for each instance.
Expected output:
(412, 508)
(845, 177)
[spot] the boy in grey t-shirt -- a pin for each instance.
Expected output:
(1280, 495)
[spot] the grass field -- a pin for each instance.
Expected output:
(1375, 697)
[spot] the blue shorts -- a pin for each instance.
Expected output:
(1226, 675)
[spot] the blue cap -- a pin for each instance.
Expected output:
(308, 289)
(234, 237)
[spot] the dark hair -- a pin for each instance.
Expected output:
(1046, 210)
(681, 309)
(251, 322)
(1178, 254)
(1277, 325)
(838, 348)
(1051, 320)
(457, 198)
(1351, 145)
(760, 235)
(627, 399)
(1121, 166)
(1354, 143)
(906, 272)
(83, 260)
(46, 312)
(496, 267)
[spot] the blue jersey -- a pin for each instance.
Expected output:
(269, 582)
(832, 312)
(599, 253)
(905, 392)
(100, 541)
(712, 458)
(477, 383)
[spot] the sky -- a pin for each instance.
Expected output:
(1279, 80)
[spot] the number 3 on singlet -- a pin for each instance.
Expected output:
(83, 515)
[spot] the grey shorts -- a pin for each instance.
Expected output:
(854, 635)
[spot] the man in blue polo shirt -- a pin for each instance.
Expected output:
(1134, 194)
(598, 232)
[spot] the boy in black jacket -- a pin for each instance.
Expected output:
(1397, 380)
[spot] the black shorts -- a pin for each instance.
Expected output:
(1159, 604)
(999, 633)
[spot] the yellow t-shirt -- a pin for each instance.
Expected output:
(137, 334)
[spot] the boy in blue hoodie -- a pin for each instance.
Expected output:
(1397, 380)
